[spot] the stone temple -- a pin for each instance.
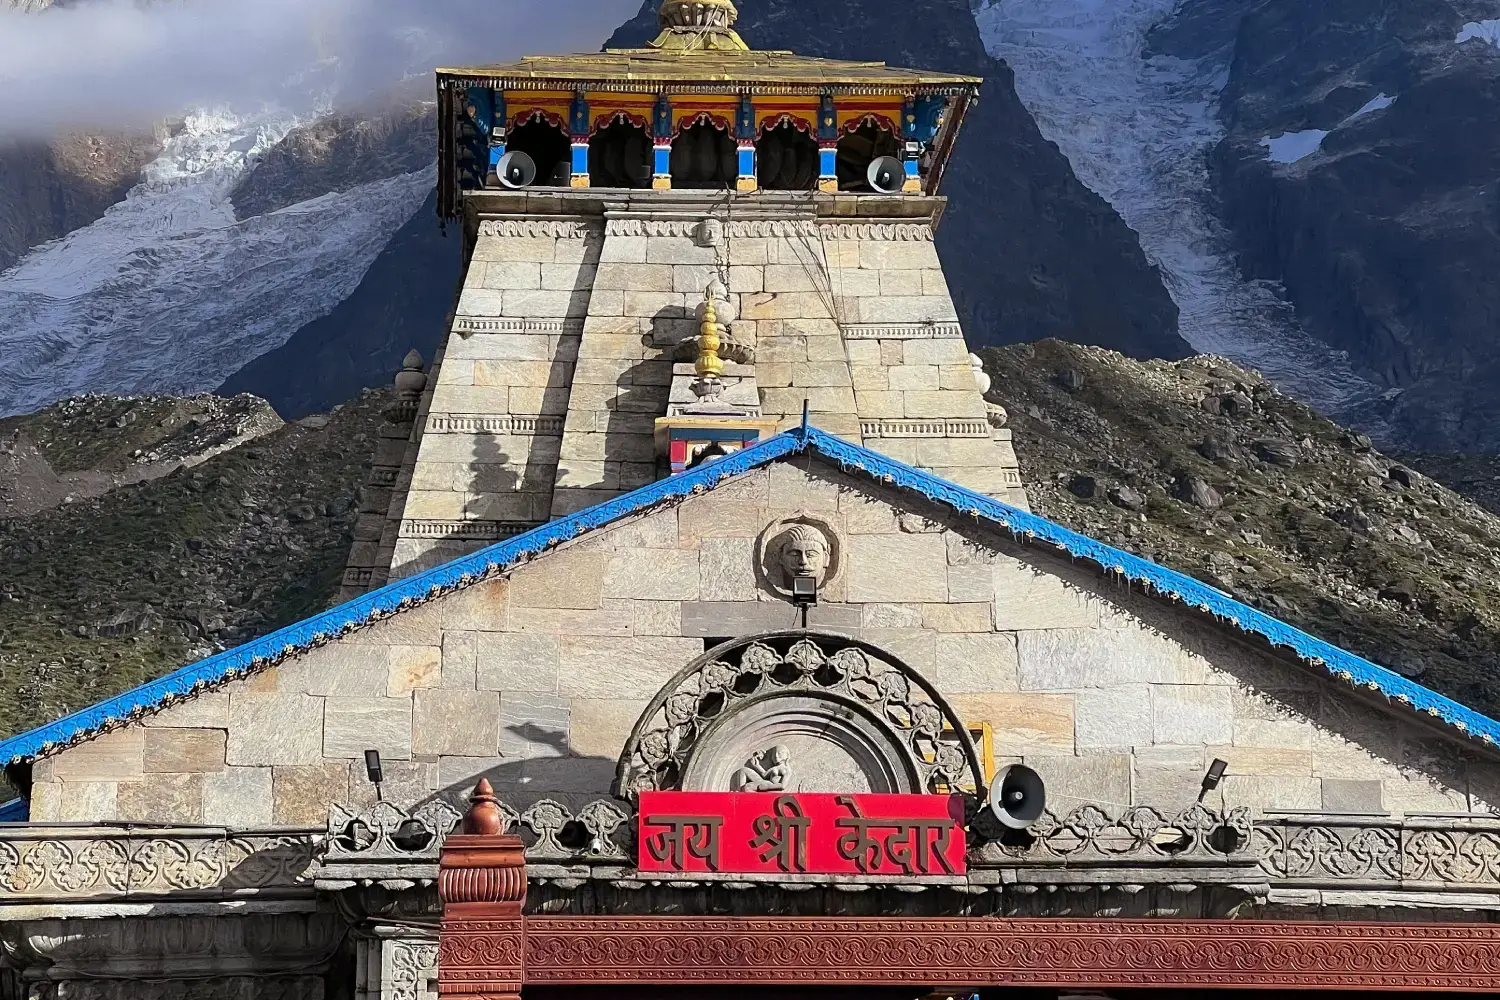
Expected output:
(697, 640)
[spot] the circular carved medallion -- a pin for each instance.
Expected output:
(799, 545)
(797, 711)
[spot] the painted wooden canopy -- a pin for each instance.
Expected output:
(756, 119)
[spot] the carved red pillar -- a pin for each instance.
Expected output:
(482, 882)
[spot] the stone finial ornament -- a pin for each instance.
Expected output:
(697, 14)
(484, 815)
(410, 380)
(981, 377)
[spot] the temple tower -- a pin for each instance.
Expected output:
(608, 203)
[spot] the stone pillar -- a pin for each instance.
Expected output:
(365, 569)
(661, 131)
(578, 127)
(828, 145)
(482, 882)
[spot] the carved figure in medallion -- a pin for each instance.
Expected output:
(764, 772)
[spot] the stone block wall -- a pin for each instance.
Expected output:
(489, 432)
(544, 398)
(536, 680)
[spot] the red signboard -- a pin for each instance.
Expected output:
(776, 832)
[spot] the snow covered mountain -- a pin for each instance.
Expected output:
(1308, 189)
(169, 292)
(1137, 128)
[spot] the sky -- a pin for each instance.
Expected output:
(127, 63)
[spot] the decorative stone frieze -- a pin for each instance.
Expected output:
(902, 331)
(490, 324)
(464, 530)
(692, 228)
(504, 423)
(905, 232)
(563, 229)
(924, 428)
(41, 863)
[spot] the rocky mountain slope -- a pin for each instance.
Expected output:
(1361, 171)
(107, 591)
(1206, 467)
(48, 188)
(83, 448)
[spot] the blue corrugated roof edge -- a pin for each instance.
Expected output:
(408, 592)
(17, 810)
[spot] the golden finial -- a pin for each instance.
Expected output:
(687, 25)
(709, 365)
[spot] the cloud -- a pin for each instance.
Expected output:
(124, 63)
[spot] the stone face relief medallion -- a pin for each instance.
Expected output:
(799, 545)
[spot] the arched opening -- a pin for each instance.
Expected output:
(620, 156)
(703, 156)
(548, 146)
(786, 159)
(857, 149)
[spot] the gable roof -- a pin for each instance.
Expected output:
(488, 562)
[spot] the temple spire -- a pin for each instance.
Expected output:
(698, 24)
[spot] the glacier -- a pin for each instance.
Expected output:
(1137, 131)
(168, 292)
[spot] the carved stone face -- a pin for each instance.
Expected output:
(804, 552)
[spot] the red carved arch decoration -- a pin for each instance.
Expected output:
(717, 121)
(535, 114)
(879, 121)
(995, 951)
(604, 121)
(785, 118)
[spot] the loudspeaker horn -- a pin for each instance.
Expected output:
(886, 175)
(1017, 796)
(516, 169)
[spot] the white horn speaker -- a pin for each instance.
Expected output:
(886, 175)
(516, 169)
(1017, 796)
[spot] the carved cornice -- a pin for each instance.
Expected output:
(464, 530)
(736, 229)
(562, 229)
(964, 952)
(503, 423)
(489, 324)
(112, 863)
(902, 331)
(925, 428)
(904, 232)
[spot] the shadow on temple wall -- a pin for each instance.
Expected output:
(549, 769)
(628, 418)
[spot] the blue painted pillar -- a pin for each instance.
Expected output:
(744, 134)
(661, 133)
(497, 135)
(828, 141)
(579, 127)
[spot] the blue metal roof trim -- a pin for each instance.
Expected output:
(1341, 663)
(469, 569)
(387, 600)
(17, 810)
